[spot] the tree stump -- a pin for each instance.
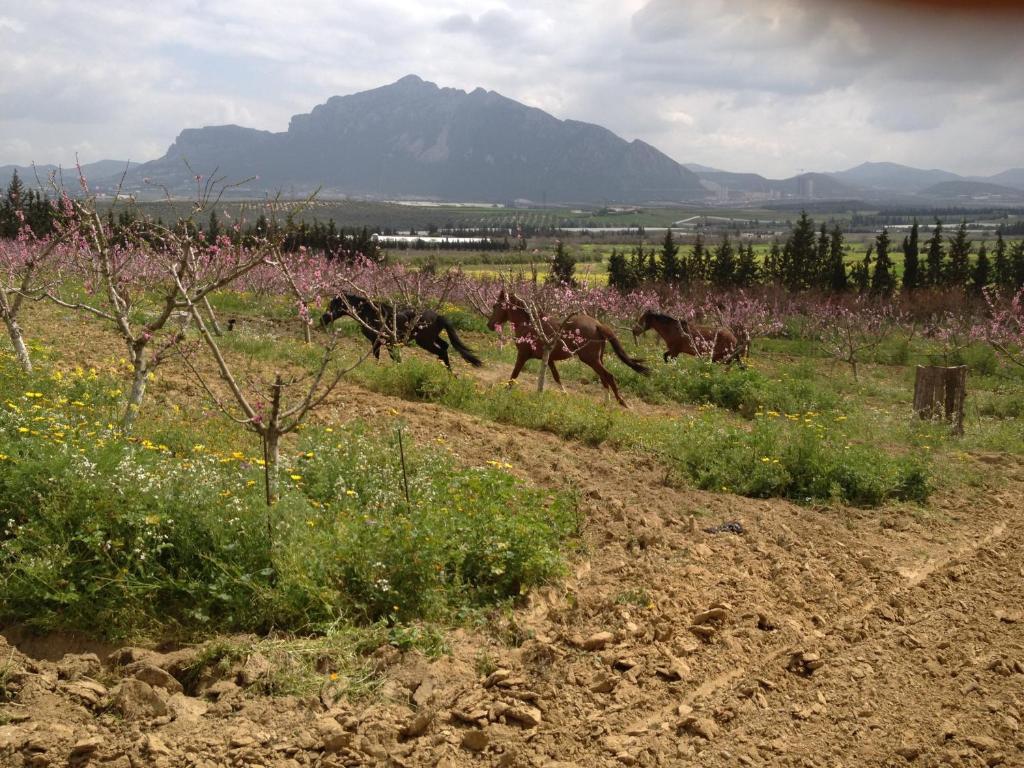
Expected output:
(940, 392)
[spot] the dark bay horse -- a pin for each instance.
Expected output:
(684, 337)
(580, 335)
(378, 322)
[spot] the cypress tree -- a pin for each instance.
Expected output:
(698, 268)
(981, 275)
(799, 264)
(911, 263)
(1002, 272)
(882, 281)
(958, 269)
(819, 275)
(672, 269)
(837, 279)
(862, 272)
(773, 263)
(746, 267)
(563, 266)
(618, 272)
(213, 228)
(1017, 266)
(723, 264)
(933, 261)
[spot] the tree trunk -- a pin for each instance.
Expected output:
(940, 392)
(18, 342)
(271, 465)
(544, 359)
(307, 336)
(137, 393)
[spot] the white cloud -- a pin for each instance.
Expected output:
(764, 85)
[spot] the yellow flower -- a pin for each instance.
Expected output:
(152, 519)
(350, 492)
(25, 429)
(296, 478)
(198, 447)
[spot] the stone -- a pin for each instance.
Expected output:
(221, 689)
(129, 654)
(153, 745)
(136, 700)
(154, 676)
(703, 727)
(12, 738)
(526, 716)
(598, 641)
(475, 741)
(86, 690)
(333, 738)
(418, 725)
(76, 665)
(497, 676)
(710, 615)
(257, 667)
(186, 708)
(85, 747)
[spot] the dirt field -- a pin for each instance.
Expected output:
(816, 637)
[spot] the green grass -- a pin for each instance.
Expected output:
(124, 537)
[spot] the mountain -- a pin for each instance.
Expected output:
(892, 177)
(414, 139)
(102, 169)
(698, 168)
(1011, 178)
(972, 190)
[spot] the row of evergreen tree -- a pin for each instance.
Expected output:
(24, 207)
(807, 260)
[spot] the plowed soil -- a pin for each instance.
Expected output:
(817, 636)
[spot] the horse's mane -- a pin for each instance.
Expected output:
(660, 317)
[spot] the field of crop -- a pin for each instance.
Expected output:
(522, 568)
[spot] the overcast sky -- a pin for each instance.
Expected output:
(771, 86)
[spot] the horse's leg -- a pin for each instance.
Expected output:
(608, 380)
(441, 350)
(376, 349)
(521, 358)
(666, 356)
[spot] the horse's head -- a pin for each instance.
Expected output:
(642, 324)
(501, 312)
(339, 307)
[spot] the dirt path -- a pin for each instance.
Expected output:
(818, 637)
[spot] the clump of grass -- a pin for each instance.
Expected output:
(736, 389)
(799, 458)
(122, 537)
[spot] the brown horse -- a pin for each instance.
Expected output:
(580, 335)
(684, 337)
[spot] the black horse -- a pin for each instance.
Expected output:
(377, 320)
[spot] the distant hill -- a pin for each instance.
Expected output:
(950, 190)
(1011, 178)
(413, 139)
(811, 186)
(102, 169)
(892, 177)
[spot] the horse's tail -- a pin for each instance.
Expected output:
(635, 363)
(466, 353)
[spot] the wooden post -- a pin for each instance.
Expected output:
(941, 392)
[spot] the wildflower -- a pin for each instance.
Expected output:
(296, 478)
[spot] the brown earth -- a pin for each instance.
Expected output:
(821, 636)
